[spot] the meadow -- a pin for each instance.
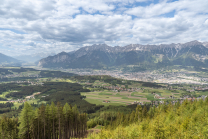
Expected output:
(107, 97)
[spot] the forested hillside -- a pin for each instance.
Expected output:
(62, 92)
(47, 122)
(186, 120)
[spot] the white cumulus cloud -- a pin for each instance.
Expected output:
(33, 26)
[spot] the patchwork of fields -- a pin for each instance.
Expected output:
(113, 98)
(100, 90)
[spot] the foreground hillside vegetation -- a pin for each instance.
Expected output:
(186, 120)
(46, 122)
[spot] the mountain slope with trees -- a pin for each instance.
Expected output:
(45, 122)
(186, 120)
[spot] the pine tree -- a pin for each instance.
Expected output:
(53, 112)
(126, 120)
(15, 132)
(35, 124)
(43, 120)
(138, 114)
(67, 114)
(60, 117)
(75, 119)
(47, 122)
(132, 116)
(26, 117)
(144, 112)
(11, 124)
(3, 127)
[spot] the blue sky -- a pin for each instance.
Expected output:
(52, 26)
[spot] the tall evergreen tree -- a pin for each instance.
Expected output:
(144, 112)
(67, 113)
(53, 112)
(43, 120)
(138, 114)
(47, 122)
(26, 117)
(132, 116)
(60, 117)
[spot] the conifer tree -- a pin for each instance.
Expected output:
(3, 127)
(75, 119)
(132, 116)
(8, 128)
(47, 122)
(138, 114)
(43, 120)
(26, 117)
(15, 132)
(126, 120)
(60, 117)
(144, 112)
(53, 112)
(67, 113)
(151, 112)
(35, 127)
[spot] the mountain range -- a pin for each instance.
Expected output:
(192, 53)
(9, 61)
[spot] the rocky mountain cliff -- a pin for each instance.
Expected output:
(99, 56)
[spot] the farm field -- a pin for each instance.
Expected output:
(61, 80)
(113, 98)
(87, 92)
(136, 92)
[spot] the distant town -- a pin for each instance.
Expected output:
(182, 77)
